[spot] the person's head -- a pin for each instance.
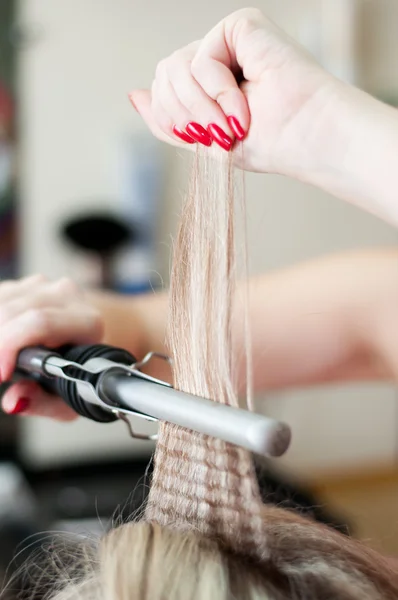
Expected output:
(145, 561)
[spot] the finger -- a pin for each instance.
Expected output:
(50, 327)
(12, 289)
(169, 113)
(141, 100)
(29, 399)
(204, 112)
(36, 296)
(213, 68)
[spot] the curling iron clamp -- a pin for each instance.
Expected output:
(104, 384)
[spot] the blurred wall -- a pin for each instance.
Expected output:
(74, 79)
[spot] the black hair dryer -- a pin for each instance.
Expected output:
(100, 234)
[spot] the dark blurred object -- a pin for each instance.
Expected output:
(9, 243)
(20, 524)
(102, 235)
(93, 493)
(7, 47)
(9, 431)
(8, 174)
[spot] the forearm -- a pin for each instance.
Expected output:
(351, 149)
(331, 320)
(135, 323)
(317, 323)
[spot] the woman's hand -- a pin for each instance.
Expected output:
(35, 311)
(196, 97)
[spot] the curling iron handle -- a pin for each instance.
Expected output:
(32, 360)
(31, 363)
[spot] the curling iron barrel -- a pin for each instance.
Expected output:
(103, 383)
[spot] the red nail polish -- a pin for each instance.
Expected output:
(20, 406)
(236, 127)
(199, 133)
(220, 137)
(182, 135)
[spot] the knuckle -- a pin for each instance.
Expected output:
(197, 66)
(161, 68)
(13, 285)
(38, 278)
(221, 96)
(66, 286)
(248, 15)
(5, 314)
(254, 13)
(244, 20)
(8, 285)
(193, 103)
(175, 60)
(194, 106)
(40, 319)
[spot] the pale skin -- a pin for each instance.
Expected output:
(342, 325)
(299, 120)
(332, 320)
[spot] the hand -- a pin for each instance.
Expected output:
(34, 311)
(195, 95)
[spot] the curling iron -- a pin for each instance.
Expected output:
(104, 384)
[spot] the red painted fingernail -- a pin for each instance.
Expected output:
(182, 135)
(236, 127)
(199, 133)
(20, 406)
(220, 137)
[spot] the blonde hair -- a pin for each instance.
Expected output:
(205, 533)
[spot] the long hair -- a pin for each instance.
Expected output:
(205, 533)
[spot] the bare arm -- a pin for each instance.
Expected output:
(135, 323)
(330, 320)
(349, 148)
(294, 118)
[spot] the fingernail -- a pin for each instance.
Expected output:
(220, 137)
(236, 127)
(199, 133)
(132, 101)
(182, 135)
(20, 406)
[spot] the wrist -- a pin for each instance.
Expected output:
(314, 139)
(123, 326)
(301, 147)
(349, 148)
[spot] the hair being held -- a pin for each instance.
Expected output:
(205, 533)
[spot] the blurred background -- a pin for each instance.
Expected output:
(85, 191)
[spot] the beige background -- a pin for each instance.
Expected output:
(74, 118)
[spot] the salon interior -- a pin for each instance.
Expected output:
(80, 175)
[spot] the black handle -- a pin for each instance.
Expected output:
(66, 389)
